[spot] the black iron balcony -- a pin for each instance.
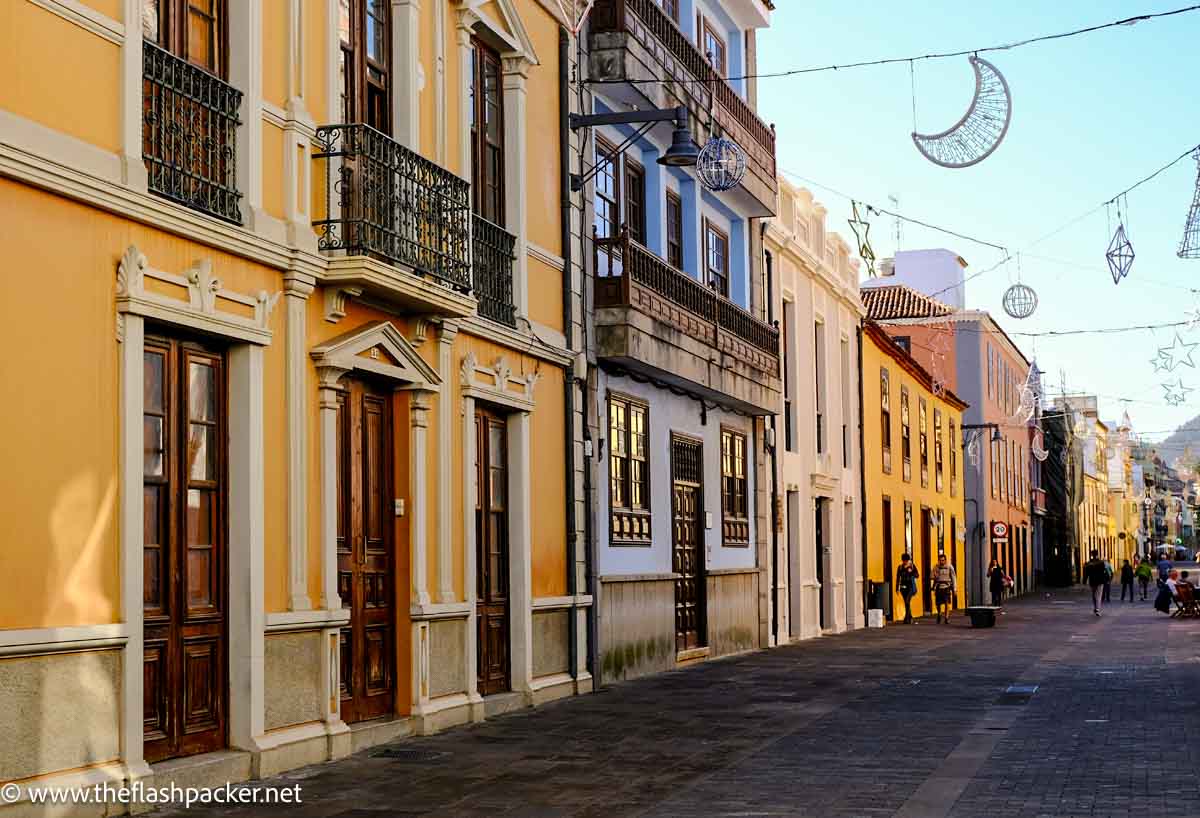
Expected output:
(385, 201)
(189, 134)
(492, 259)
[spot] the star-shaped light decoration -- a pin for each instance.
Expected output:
(1176, 393)
(1120, 255)
(1171, 358)
(862, 239)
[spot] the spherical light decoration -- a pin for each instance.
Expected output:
(721, 164)
(1020, 301)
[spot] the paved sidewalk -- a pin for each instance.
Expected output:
(906, 721)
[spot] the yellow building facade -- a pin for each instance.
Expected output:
(302, 266)
(912, 450)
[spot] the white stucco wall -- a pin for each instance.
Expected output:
(672, 413)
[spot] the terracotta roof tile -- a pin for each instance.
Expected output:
(900, 301)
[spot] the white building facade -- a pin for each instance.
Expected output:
(820, 585)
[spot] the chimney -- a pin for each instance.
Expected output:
(887, 267)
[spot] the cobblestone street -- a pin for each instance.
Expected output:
(905, 721)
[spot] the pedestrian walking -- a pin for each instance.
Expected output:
(1096, 575)
(996, 582)
(1164, 569)
(1127, 581)
(1143, 572)
(1107, 597)
(907, 577)
(945, 583)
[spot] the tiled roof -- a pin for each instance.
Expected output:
(900, 301)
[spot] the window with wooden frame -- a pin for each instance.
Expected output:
(674, 230)
(904, 342)
(905, 435)
(671, 7)
(938, 462)
(629, 470)
(487, 132)
(193, 30)
(635, 200)
(714, 47)
(735, 515)
(994, 467)
(923, 440)
(953, 458)
(885, 418)
(716, 258)
(365, 34)
(608, 191)
(990, 370)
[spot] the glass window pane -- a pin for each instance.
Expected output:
(344, 21)
(202, 399)
(202, 452)
(199, 517)
(150, 20)
(153, 445)
(152, 379)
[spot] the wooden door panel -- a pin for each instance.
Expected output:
(202, 684)
(365, 562)
(154, 680)
(491, 549)
(184, 618)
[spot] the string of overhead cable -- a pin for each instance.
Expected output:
(1128, 21)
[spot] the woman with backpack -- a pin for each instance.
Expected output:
(1144, 572)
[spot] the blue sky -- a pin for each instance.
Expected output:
(1091, 115)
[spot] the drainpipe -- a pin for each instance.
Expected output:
(862, 475)
(768, 270)
(568, 306)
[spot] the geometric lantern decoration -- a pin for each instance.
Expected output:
(1189, 245)
(1020, 301)
(1120, 255)
(721, 164)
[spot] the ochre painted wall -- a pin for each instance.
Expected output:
(274, 51)
(881, 484)
(272, 176)
(60, 500)
(40, 55)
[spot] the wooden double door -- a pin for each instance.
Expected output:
(687, 557)
(184, 579)
(365, 551)
(491, 553)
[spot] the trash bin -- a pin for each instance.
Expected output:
(982, 616)
(881, 596)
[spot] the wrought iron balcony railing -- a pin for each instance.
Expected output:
(492, 259)
(620, 261)
(384, 200)
(189, 134)
(614, 15)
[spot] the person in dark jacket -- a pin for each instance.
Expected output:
(907, 577)
(1096, 575)
(996, 577)
(1127, 581)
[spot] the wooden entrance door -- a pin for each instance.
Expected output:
(184, 595)
(687, 462)
(926, 567)
(819, 545)
(491, 552)
(366, 579)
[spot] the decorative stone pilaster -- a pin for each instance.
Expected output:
(445, 572)
(297, 289)
(418, 411)
(329, 375)
(408, 76)
(516, 73)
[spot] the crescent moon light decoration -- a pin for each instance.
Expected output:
(981, 129)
